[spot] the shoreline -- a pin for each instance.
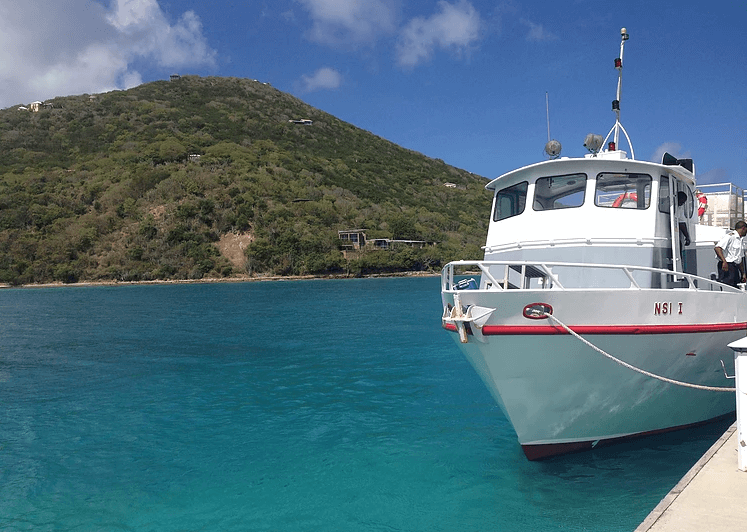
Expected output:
(211, 280)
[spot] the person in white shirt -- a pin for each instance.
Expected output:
(730, 252)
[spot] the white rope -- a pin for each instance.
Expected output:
(643, 372)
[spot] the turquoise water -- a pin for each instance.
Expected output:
(281, 406)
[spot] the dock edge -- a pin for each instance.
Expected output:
(667, 501)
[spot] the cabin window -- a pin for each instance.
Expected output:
(510, 201)
(559, 192)
(664, 194)
(689, 204)
(623, 191)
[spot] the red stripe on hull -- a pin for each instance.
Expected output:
(501, 330)
(548, 450)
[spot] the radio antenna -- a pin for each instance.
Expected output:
(547, 106)
(553, 147)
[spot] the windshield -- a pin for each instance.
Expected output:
(559, 192)
(623, 191)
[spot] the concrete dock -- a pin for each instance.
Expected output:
(711, 497)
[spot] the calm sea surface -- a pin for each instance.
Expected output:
(281, 406)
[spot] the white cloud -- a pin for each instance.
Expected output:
(455, 27)
(537, 32)
(324, 78)
(349, 22)
(713, 176)
(54, 48)
(672, 148)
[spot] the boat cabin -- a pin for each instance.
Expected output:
(601, 209)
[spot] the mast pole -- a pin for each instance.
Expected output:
(619, 66)
(547, 107)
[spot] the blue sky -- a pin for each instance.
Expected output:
(459, 80)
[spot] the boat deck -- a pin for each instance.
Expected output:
(709, 497)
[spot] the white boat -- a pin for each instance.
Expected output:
(591, 321)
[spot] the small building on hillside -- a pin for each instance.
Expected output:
(355, 240)
(352, 238)
(301, 121)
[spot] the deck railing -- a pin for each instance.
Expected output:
(540, 275)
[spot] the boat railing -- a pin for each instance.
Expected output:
(570, 242)
(514, 275)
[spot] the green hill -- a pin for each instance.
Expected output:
(103, 188)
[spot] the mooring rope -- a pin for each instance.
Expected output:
(641, 371)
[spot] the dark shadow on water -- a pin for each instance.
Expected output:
(619, 484)
(656, 462)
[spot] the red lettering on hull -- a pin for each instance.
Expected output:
(667, 308)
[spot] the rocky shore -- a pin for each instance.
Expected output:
(233, 279)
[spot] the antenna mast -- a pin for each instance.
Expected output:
(616, 103)
(547, 106)
(553, 147)
(619, 67)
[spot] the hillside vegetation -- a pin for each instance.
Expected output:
(102, 188)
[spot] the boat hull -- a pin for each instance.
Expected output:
(561, 395)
